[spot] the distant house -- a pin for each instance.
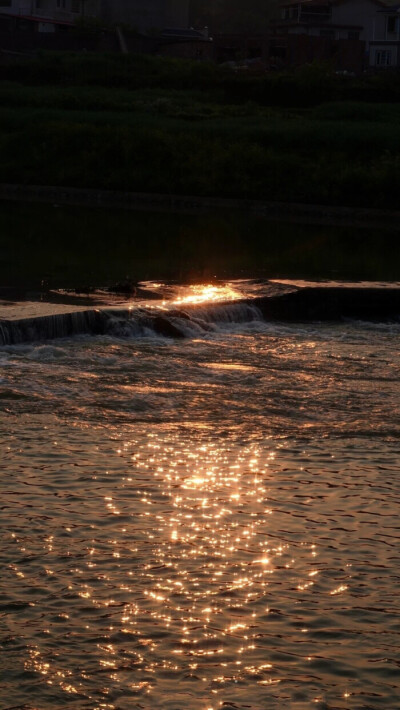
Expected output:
(141, 26)
(334, 19)
(384, 46)
(46, 16)
(340, 30)
(143, 15)
(147, 15)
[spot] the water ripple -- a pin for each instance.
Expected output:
(206, 524)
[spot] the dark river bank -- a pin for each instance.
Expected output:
(46, 246)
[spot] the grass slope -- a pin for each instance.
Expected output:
(153, 125)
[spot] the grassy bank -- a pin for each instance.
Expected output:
(153, 125)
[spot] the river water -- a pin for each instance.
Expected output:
(202, 523)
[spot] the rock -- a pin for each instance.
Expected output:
(163, 326)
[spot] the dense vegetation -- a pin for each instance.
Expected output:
(155, 125)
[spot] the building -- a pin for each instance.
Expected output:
(52, 10)
(352, 34)
(45, 16)
(142, 15)
(334, 19)
(384, 47)
(147, 15)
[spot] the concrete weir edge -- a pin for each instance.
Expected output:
(298, 305)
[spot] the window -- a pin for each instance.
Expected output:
(353, 35)
(383, 57)
(5, 3)
(290, 13)
(392, 24)
(61, 4)
(75, 6)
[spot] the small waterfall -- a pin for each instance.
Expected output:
(127, 323)
(302, 304)
(235, 312)
(60, 325)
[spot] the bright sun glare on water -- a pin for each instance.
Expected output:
(205, 293)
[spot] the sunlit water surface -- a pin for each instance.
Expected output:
(208, 523)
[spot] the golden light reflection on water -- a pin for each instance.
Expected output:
(207, 293)
(188, 574)
(198, 602)
(207, 581)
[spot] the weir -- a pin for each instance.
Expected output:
(300, 304)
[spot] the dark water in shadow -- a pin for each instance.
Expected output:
(74, 246)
